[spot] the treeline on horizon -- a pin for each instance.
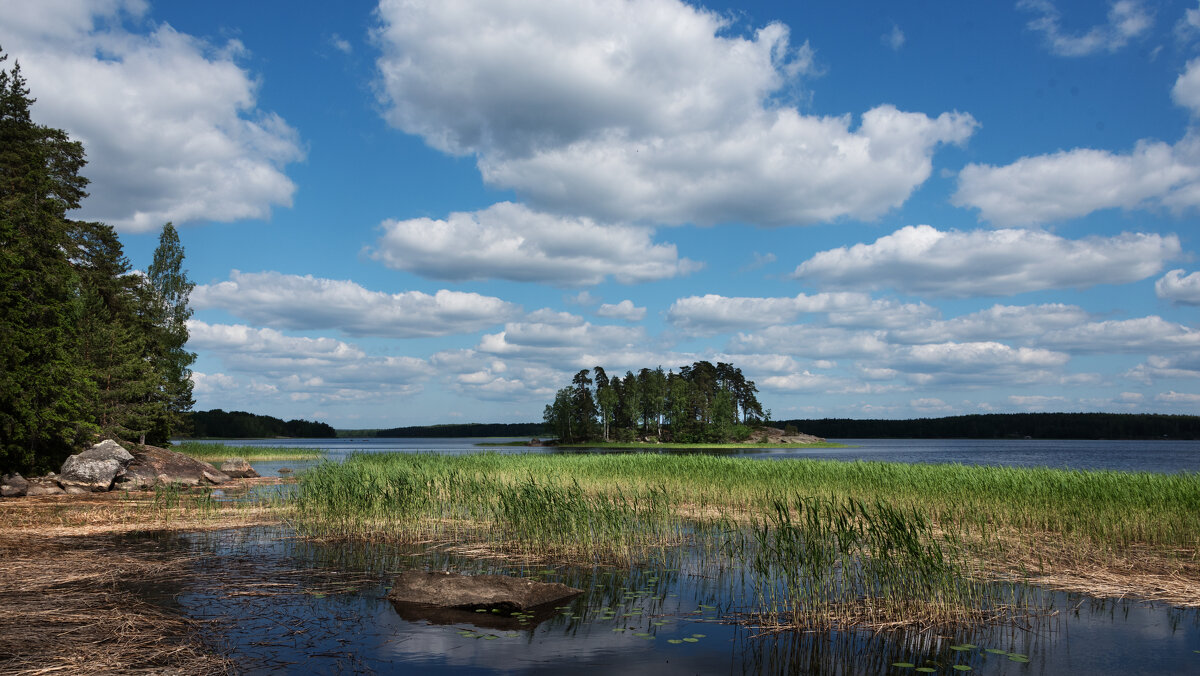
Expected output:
(219, 424)
(1009, 426)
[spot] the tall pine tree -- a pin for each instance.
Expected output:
(41, 384)
(166, 306)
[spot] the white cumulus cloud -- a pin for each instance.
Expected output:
(1072, 183)
(511, 241)
(624, 310)
(713, 313)
(1127, 19)
(924, 260)
(1180, 288)
(994, 323)
(170, 122)
(1143, 334)
(306, 302)
(645, 111)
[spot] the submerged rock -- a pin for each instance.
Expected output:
(94, 469)
(469, 593)
(153, 465)
(238, 468)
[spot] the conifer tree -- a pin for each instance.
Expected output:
(165, 305)
(41, 385)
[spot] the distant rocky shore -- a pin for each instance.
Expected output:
(109, 466)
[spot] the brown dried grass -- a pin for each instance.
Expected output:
(68, 608)
(74, 602)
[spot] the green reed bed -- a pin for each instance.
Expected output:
(415, 497)
(1110, 510)
(827, 544)
(222, 452)
(820, 564)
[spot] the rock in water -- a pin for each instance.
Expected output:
(13, 486)
(153, 465)
(474, 592)
(238, 468)
(94, 469)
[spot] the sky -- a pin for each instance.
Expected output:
(406, 212)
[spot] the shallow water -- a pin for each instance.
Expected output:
(1134, 456)
(283, 605)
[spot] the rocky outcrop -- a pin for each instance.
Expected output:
(13, 486)
(153, 465)
(238, 468)
(94, 469)
(501, 593)
(44, 485)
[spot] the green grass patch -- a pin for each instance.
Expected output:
(221, 452)
(651, 446)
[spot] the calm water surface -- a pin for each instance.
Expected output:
(288, 606)
(1136, 456)
(283, 605)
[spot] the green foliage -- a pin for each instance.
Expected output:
(699, 404)
(217, 424)
(165, 306)
(41, 386)
(1012, 426)
(85, 347)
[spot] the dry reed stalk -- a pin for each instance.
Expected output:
(66, 610)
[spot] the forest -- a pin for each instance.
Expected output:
(699, 403)
(1010, 426)
(89, 348)
(219, 424)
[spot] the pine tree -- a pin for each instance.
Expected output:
(165, 304)
(41, 385)
(112, 346)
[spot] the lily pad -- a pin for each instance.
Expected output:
(906, 665)
(961, 667)
(927, 670)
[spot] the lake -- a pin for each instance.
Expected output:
(281, 604)
(1129, 456)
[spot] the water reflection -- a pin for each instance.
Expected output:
(284, 605)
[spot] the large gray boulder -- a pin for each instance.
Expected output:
(504, 594)
(94, 469)
(238, 468)
(13, 486)
(152, 465)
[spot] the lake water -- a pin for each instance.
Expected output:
(284, 605)
(1134, 456)
(281, 605)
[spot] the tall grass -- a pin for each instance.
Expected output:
(220, 452)
(1108, 509)
(821, 564)
(829, 543)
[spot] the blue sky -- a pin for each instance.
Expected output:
(424, 212)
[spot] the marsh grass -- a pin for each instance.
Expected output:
(887, 544)
(824, 564)
(221, 452)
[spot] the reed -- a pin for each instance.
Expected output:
(1105, 509)
(221, 452)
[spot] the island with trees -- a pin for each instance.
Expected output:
(699, 404)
